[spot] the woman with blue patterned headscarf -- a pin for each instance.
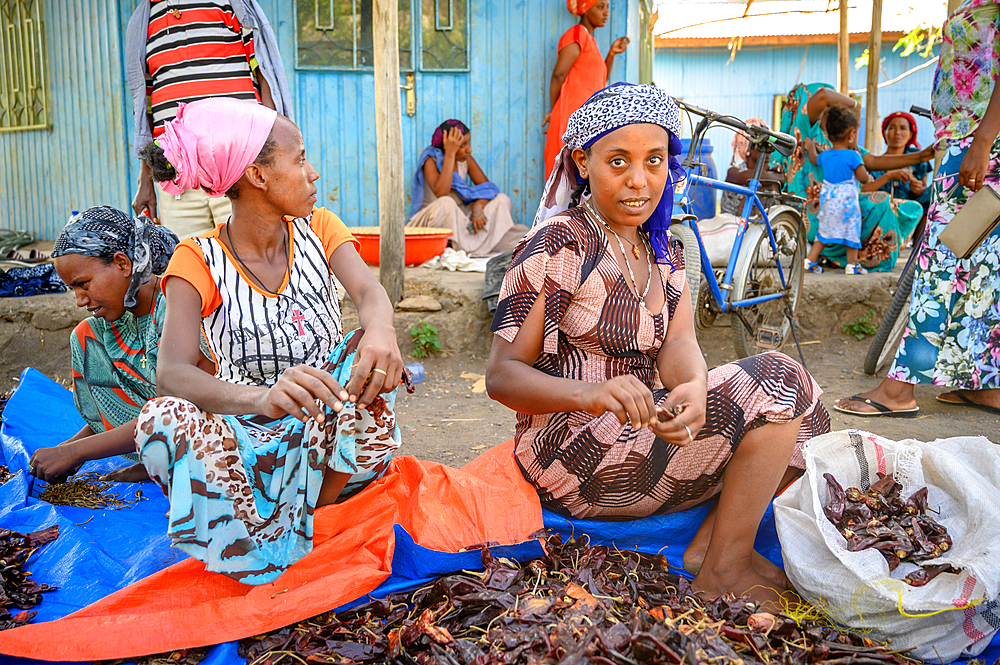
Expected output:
(111, 261)
(618, 416)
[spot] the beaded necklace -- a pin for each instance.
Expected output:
(642, 239)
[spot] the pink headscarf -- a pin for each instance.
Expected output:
(212, 141)
(579, 7)
(740, 143)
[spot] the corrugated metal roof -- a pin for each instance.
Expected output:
(687, 19)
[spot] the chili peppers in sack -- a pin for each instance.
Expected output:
(880, 519)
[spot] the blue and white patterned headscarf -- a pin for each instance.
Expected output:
(103, 231)
(609, 109)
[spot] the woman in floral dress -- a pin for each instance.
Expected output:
(952, 337)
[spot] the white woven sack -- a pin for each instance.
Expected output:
(951, 616)
(718, 234)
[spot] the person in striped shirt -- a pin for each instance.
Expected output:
(180, 51)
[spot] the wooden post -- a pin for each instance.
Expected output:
(874, 55)
(843, 51)
(389, 143)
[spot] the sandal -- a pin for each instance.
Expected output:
(882, 409)
(813, 266)
(854, 269)
(965, 401)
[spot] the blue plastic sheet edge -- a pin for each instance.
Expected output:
(97, 557)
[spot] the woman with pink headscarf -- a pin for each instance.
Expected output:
(297, 415)
(579, 72)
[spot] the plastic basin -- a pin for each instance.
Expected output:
(423, 243)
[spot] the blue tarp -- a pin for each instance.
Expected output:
(101, 551)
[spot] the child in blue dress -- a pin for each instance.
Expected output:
(839, 209)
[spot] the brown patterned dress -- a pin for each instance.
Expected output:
(596, 329)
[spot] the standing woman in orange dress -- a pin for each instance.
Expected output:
(579, 72)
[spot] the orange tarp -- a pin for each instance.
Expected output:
(184, 606)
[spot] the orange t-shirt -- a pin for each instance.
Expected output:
(587, 75)
(188, 260)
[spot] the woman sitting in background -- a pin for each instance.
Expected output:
(899, 131)
(293, 418)
(744, 163)
(111, 261)
(478, 215)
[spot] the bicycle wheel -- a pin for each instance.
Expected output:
(890, 331)
(692, 261)
(756, 275)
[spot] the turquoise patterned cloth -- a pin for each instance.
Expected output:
(243, 489)
(114, 365)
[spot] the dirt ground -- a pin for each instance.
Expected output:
(445, 421)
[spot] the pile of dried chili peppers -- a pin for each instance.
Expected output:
(578, 604)
(880, 519)
(5, 474)
(18, 590)
(86, 491)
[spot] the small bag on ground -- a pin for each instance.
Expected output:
(953, 615)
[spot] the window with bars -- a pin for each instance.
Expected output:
(23, 95)
(337, 34)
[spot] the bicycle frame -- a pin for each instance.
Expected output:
(750, 202)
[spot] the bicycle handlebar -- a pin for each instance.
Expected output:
(920, 110)
(783, 143)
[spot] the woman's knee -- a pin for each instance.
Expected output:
(501, 201)
(159, 420)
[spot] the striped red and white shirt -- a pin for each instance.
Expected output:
(196, 49)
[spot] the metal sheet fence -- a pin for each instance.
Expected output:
(747, 87)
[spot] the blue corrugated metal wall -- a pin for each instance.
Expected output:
(503, 98)
(86, 159)
(746, 87)
(81, 161)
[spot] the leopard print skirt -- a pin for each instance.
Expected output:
(243, 490)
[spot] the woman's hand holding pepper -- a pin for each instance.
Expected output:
(297, 391)
(625, 396)
(379, 367)
(56, 463)
(692, 396)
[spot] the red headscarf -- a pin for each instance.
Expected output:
(913, 127)
(579, 7)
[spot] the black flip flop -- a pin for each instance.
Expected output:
(883, 410)
(968, 402)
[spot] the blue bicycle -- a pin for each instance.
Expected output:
(759, 285)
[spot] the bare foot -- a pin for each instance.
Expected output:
(129, 474)
(693, 559)
(743, 580)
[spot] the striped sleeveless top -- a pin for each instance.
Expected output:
(256, 335)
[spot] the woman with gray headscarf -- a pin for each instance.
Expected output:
(594, 347)
(111, 261)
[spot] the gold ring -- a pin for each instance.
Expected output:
(690, 435)
(381, 370)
